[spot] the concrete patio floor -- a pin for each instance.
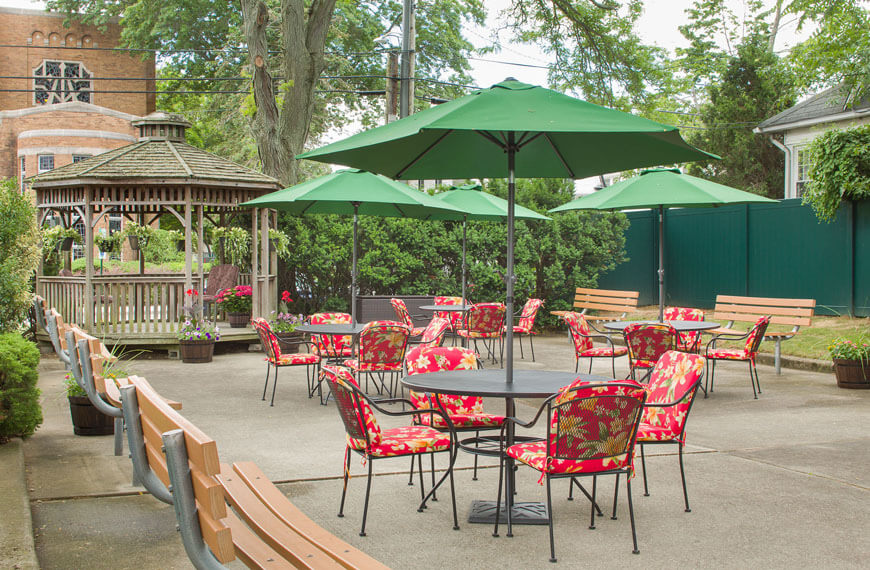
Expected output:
(781, 481)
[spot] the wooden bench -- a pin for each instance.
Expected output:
(790, 312)
(262, 529)
(617, 303)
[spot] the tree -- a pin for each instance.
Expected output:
(19, 254)
(840, 170)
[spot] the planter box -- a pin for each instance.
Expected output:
(238, 320)
(378, 308)
(850, 374)
(196, 351)
(88, 420)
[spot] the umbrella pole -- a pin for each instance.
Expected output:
(464, 242)
(661, 263)
(353, 270)
(509, 301)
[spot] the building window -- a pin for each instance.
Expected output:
(80, 157)
(803, 171)
(61, 81)
(22, 175)
(78, 250)
(114, 227)
(46, 162)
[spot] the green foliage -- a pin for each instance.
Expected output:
(281, 242)
(840, 170)
(20, 413)
(234, 244)
(851, 349)
(71, 387)
(755, 85)
(19, 254)
(108, 243)
(161, 246)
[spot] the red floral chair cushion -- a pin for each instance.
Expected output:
(672, 382)
(527, 317)
(332, 345)
(686, 341)
(381, 347)
(453, 317)
(483, 320)
(434, 333)
(273, 349)
(590, 430)
(648, 342)
(583, 348)
(750, 348)
(381, 443)
(404, 316)
(464, 411)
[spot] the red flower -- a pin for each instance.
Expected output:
(192, 292)
(285, 296)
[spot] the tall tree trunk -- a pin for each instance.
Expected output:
(774, 27)
(281, 134)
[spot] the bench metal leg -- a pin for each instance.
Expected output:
(119, 436)
(777, 352)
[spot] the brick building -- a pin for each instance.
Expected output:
(59, 107)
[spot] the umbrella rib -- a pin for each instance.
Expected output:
(559, 154)
(422, 154)
(523, 142)
(491, 137)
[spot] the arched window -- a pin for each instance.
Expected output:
(61, 81)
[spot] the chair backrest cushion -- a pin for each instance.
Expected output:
(423, 359)
(402, 311)
(530, 311)
(268, 340)
(383, 343)
(360, 424)
(454, 317)
(486, 318)
(433, 334)
(756, 335)
(579, 330)
(675, 378)
(331, 344)
(649, 341)
(685, 314)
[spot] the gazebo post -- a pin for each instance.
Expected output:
(266, 267)
(188, 235)
(273, 268)
(255, 263)
(89, 260)
(200, 214)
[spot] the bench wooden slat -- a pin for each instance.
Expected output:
(607, 293)
(751, 317)
(604, 306)
(217, 536)
(620, 302)
(250, 549)
(260, 485)
(762, 310)
(772, 301)
(270, 528)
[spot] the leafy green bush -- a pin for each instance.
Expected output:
(161, 247)
(20, 413)
(840, 170)
(19, 254)
(236, 246)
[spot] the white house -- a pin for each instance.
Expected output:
(833, 108)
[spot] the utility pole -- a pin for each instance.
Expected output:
(392, 86)
(406, 95)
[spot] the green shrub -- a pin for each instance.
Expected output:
(19, 254)
(20, 413)
(840, 170)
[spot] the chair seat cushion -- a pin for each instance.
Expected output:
(333, 352)
(417, 331)
(294, 359)
(647, 432)
(482, 420)
(534, 454)
(519, 329)
(477, 334)
(409, 440)
(604, 351)
(727, 354)
(641, 363)
(373, 366)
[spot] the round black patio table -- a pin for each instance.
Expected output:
(491, 383)
(680, 326)
(332, 329)
(445, 308)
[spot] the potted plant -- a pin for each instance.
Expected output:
(235, 244)
(108, 243)
(284, 325)
(86, 418)
(279, 242)
(178, 238)
(196, 335)
(236, 302)
(137, 235)
(851, 361)
(60, 238)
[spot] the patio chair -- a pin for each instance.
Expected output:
(592, 431)
(220, 277)
(524, 326)
(332, 347)
(366, 438)
(274, 359)
(686, 341)
(485, 322)
(578, 328)
(646, 343)
(453, 317)
(382, 347)
(433, 334)
(747, 354)
(671, 391)
(466, 412)
(404, 316)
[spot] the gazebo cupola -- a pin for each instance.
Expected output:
(160, 126)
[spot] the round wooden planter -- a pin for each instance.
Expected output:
(238, 320)
(850, 374)
(196, 351)
(88, 420)
(289, 343)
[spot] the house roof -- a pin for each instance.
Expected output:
(835, 103)
(157, 159)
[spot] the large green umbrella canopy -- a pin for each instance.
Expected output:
(481, 205)
(353, 191)
(511, 129)
(660, 189)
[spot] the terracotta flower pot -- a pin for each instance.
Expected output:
(851, 374)
(87, 419)
(238, 320)
(196, 351)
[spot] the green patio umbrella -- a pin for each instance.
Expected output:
(511, 129)
(481, 206)
(660, 189)
(353, 191)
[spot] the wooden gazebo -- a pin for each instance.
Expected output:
(158, 174)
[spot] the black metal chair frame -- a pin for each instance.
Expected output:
(380, 385)
(550, 408)
(488, 343)
(313, 381)
(357, 429)
(521, 314)
(599, 334)
(753, 371)
(631, 356)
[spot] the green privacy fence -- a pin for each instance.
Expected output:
(760, 250)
